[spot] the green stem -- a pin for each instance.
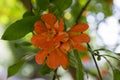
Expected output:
(102, 49)
(90, 50)
(111, 57)
(79, 70)
(80, 14)
(55, 75)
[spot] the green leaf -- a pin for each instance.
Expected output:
(62, 4)
(12, 70)
(72, 61)
(20, 28)
(45, 69)
(42, 4)
(116, 74)
(76, 8)
(79, 69)
(24, 44)
(27, 14)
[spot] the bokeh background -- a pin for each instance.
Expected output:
(103, 17)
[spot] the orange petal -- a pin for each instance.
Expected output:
(50, 44)
(81, 38)
(59, 52)
(79, 47)
(49, 19)
(56, 25)
(62, 58)
(62, 36)
(41, 41)
(38, 41)
(81, 27)
(39, 27)
(53, 60)
(40, 57)
(61, 25)
(65, 47)
(64, 61)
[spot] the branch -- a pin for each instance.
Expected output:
(90, 50)
(111, 57)
(55, 75)
(27, 4)
(80, 14)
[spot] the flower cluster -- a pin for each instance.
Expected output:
(55, 42)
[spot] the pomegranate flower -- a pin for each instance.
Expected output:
(55, 43)
(48, 36)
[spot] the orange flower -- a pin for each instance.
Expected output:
(77, 38)
(49, 36)
(47, 31)
(54, 59)
(54, 42)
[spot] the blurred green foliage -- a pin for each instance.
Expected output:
(104, 6)
(10, 11)
(116, 73)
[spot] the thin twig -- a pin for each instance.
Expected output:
(100, 76)
(27, 4)
(80, 14)
(108, 62)
(55, 75)
(111, 57)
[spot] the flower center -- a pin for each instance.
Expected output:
(51, 33)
